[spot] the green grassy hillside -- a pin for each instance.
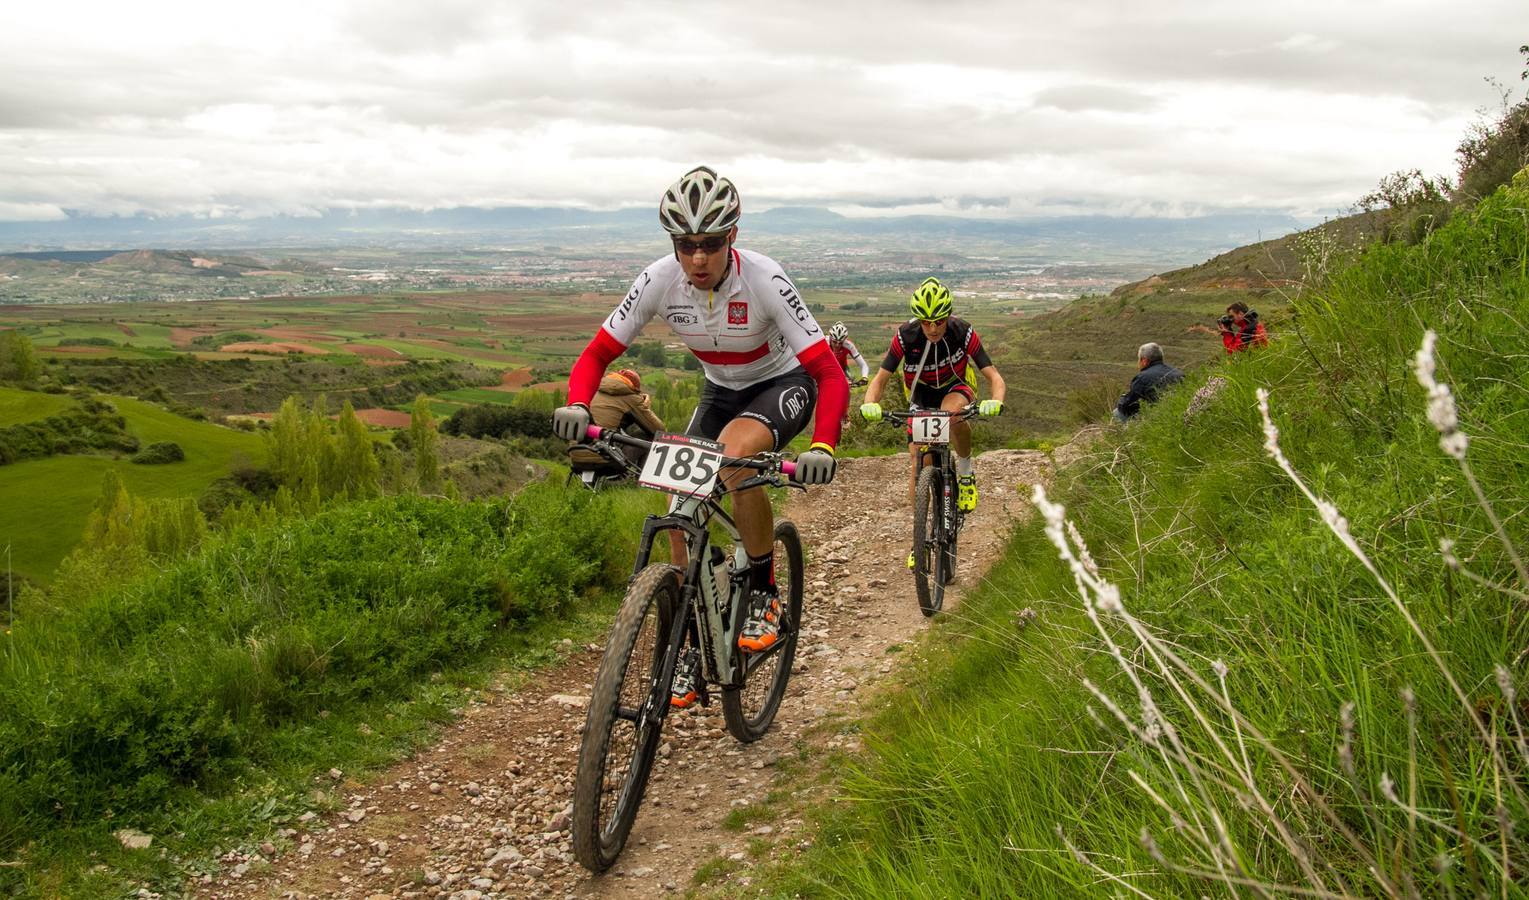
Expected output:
(17, 406)
(48, 500)
(1257, 709)
(1068, 367)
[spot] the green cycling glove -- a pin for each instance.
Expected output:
(990, 408)
(871, 412)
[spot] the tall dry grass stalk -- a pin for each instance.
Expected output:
(1201, 763)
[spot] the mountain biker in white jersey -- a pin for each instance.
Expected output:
(845, 351)
(765, 360)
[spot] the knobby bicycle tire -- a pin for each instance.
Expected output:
(928, 564)
(749, 710)
(633, 679)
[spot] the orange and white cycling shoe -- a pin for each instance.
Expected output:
(683, 694)
(762, 628)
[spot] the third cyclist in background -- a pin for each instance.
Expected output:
(845, 352)
(940, 356)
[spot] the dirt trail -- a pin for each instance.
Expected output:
(484, 812)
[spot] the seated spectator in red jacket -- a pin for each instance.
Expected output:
(1239, 329)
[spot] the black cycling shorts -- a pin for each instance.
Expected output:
(782, 404)
(927, 397)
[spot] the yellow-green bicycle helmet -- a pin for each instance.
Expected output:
(931, 300)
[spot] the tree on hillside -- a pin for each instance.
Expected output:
(18, 362)
(289, 444)
(423, 438)
(356, 464)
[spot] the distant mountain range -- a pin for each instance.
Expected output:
(573, 229)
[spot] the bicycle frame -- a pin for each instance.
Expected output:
(942, 457)
(711, 592)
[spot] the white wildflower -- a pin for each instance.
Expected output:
(1388, 788)
(1505, 683)
(1109, 599)
(1271, 433)
(1447, 550)
(1083, 555)
(1441, 403)
(1152, 721)
(1220, 669)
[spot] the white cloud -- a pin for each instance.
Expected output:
(179, 107)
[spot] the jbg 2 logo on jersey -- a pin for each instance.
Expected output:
(737, 313)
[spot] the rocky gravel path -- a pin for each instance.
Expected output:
(484, 813)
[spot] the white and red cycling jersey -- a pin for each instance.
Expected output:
(756, 328)
(846, 353)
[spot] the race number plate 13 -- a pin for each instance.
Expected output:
(681, 464)
(930, 429)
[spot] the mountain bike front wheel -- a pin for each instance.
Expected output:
(928, 545)
(749, 710)
(626, 710)
(948, 553)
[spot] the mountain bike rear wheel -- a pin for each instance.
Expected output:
(750, 709)
(626, 710)
(928, 555)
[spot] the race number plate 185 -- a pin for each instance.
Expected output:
(930, 429)
(681, 464)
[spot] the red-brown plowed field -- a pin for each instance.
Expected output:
(182, 337)
(295, 334)
(513, 380)
(383, 418)
(536, 323)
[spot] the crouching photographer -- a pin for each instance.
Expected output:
(1239, 329)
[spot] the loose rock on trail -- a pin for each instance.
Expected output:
(484, 813)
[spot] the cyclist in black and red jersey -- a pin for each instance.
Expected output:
(939, 355)
(765, 359)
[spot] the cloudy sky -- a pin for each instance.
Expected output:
(968, 106)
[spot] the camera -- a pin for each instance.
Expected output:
(1226, 321)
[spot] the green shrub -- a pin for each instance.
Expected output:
(121, 697)
(159, 452)
(92, 425)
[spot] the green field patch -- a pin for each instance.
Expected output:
(18, 406)
(48, 500)
(417, 351)
(478, 395)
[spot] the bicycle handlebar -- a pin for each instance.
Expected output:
(969, 411)
(787, 467)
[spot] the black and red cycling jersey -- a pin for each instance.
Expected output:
(953, 360)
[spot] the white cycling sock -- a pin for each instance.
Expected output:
(963, 466)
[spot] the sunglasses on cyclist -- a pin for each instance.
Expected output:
(712, 244)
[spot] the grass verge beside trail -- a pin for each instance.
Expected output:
(1335, 756)
(194, 702)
